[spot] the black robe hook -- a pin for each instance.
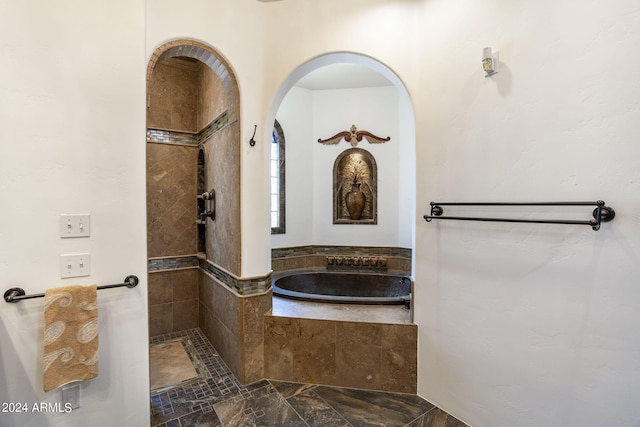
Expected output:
(252, 142)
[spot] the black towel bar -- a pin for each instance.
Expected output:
(18, 294)
(601, 213)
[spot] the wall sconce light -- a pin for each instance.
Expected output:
(489, 63)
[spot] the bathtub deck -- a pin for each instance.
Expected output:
(394, 314)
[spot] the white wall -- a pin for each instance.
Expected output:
(72, 132)
(323, 113)
(530, 325)
(374, 110)
(407, 167)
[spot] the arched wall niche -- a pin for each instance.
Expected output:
(355, 171)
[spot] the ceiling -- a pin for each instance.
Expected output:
(342, 76)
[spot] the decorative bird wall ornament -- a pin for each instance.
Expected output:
(354, 136)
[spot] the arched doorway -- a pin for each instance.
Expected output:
(397, 223)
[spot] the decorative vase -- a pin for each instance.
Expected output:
(355, 200)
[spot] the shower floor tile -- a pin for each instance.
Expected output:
(216, 398)
(169, 365)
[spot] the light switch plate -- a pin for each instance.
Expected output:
(75, 265)
(75, 225)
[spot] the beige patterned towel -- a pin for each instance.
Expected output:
(70, 335)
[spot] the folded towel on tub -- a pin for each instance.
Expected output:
(70, 335)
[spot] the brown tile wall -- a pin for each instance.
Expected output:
(210, 103)
(348, 354)
(173, 301)
(171, 200)
(173, 96)
(223, 175)
(234, 326)
(298, 262)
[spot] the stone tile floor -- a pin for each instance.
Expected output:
(216, 398)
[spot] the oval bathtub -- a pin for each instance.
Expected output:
(344, 287)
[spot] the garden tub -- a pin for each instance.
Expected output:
(344, 287)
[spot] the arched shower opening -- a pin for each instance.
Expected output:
(192, 149)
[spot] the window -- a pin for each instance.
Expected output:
(277, 180)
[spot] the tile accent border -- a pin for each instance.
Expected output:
(161, 136)
(261, 284)
(342, 262)
(243, 287)
(172, 263)
(366, 251)
(212, 128)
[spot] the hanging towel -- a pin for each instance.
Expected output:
(70, 335)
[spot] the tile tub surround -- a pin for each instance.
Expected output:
(221, 400)
(372, 356)
(316, 256)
